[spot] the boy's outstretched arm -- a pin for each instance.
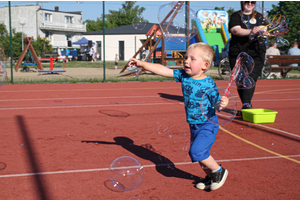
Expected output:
(152, 67)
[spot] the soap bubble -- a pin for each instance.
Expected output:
(126, 173)
(177, 22)
(139, 23)
(3, 74)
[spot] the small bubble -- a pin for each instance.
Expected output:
(22, 144)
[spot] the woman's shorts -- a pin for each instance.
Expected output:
(202, 138)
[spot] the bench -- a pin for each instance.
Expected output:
(279, 64)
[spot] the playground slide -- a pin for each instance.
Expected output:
(213, 38)
(225, 33)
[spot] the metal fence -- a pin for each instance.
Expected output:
(58, 22)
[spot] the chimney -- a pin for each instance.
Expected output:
(56, 8)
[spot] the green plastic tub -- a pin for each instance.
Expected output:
(259, 116)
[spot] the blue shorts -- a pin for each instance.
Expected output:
(202, 138)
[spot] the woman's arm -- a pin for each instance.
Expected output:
(241, 32)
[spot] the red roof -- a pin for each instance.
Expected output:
(153, 28)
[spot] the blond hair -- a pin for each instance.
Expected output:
(207, 53)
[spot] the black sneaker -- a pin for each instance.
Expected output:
(247, 106)
(204, 184)
(218, 179)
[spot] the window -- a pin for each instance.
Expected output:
(69, 37)
(48, 35)
(48, 17)
(69, 20)
(121, 50)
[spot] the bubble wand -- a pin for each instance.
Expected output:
(233, 75)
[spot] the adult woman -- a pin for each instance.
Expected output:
(241, 42)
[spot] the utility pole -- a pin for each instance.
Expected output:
(103, 41)
(22, 24)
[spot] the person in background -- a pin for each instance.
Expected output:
(67, 54)
(241, 42)
(58, 52)
(93, 55)
(116, 61)
(294, 51)
(273, 50)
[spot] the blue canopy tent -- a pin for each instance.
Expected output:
(83, 41)
(84, 48)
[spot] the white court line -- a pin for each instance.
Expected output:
(153, 165)
(276, 99)
(124, 97)
(281, 131)
(99, 105)
(46, 99)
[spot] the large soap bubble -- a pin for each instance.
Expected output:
(3, 74)
(139, 23)
(177, 21)
(126, 173)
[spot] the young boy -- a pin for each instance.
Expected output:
(195, 83)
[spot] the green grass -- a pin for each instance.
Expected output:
(84, 64)
(108, 65)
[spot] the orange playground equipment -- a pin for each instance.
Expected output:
(50, 61)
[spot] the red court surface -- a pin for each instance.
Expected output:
(58, 141)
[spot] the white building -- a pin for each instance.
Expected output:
(59, 27)
(124, 41)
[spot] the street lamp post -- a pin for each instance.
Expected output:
(22, 24)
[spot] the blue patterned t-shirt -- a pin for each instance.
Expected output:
(193, 91)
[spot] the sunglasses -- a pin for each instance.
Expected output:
(248, 2)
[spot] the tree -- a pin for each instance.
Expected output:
(94, 25)
(40, 45)
(125, 15)
(289, 10)
(230, 11)
(122, 17)
(16, 42)
(220, 8)
(3, 34)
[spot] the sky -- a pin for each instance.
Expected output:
(91, 10)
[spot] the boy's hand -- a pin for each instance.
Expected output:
(134, 62)
(224, 102)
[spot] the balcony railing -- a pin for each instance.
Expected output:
(63, 27)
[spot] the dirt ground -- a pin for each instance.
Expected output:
(77, 73)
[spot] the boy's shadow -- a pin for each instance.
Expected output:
(163, 165)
